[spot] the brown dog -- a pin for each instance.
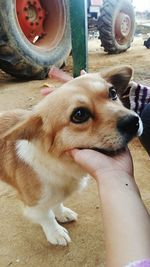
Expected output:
(83, 113)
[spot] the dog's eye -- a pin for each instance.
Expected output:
(80, 115)
(112, 93)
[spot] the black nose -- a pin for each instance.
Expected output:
(129, 125)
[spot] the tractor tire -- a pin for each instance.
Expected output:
(34, 35)
(116, 25)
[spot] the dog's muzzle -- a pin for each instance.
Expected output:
(130, 126)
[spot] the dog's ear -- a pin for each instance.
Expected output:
(119, 77)
(19, 124)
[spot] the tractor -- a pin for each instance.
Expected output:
(36, 34)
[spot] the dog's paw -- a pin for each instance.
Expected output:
(66, 215)
(58, 236)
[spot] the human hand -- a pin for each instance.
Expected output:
(60, 75)
(100, 165)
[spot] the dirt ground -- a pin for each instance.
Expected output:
(23, 244)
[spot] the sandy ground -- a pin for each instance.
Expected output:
(22, 244)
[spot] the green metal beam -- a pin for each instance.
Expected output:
(79, 35)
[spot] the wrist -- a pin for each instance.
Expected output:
(116, 184)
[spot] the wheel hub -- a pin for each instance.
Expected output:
(31, 16)
(123, 25)
(31, 13)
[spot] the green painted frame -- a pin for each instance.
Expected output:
(79, 35)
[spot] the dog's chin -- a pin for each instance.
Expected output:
(108, 152)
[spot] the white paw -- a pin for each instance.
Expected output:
(66, 215)
(58, 236)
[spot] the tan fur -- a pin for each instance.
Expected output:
(50, 133)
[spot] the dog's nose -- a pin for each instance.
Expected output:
(129, 125)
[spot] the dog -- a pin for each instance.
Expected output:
(85, 112)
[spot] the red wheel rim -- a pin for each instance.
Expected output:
(31, 16)
(41, 21)
(123, 27)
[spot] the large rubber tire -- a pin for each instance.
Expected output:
(110, 11)
(18, 56)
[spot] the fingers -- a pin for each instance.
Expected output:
(47, 90)
(83, 72)
(60, 75)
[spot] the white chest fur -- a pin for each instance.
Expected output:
(59, 178)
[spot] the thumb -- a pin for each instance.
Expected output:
(88, 159)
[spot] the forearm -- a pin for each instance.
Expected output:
(122, 207)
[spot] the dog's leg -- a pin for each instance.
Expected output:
(55, 233)
(64, 214)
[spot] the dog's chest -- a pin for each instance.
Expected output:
(57, 179)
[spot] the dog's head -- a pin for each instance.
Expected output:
(83, 113)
